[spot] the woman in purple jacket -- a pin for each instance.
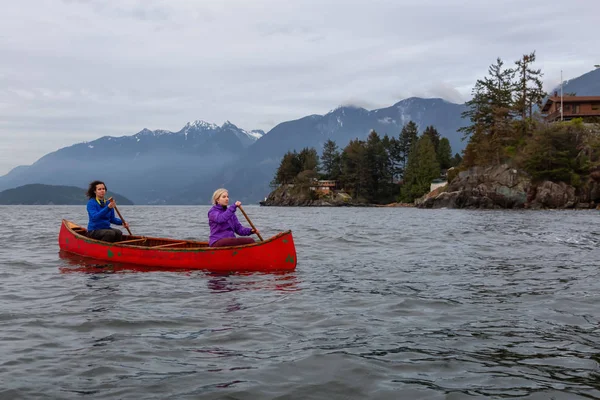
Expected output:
(224, 224)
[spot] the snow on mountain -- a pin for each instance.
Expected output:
(256, 133)
(200, 124)
(247, 138)
(198, 129)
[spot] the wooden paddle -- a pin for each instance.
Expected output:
(120, 216)
(251, 224)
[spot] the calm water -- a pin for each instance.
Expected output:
(384, 304)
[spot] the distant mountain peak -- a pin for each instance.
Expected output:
(413, 100)
(148, 132)
(341, 109)
(200, 124)
(228, 124)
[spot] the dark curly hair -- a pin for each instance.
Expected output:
(91, 192)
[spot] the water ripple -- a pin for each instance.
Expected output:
(385, 304)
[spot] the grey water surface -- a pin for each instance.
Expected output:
(385, 303)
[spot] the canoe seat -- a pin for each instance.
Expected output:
(81, 231)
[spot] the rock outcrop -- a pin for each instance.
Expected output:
(502, 187)
(289, 195)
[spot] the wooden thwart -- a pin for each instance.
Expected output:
(132, 241)
(167, 245)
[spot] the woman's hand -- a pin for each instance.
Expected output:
(238, 203)
(111, 203)
(255, 231)
(126, 225)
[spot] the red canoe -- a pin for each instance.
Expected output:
(275, 254)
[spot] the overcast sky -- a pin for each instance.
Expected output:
(76, 70)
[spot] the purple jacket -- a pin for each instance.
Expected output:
(224, 224)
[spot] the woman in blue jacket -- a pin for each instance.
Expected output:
(224, 224)
(101, 214)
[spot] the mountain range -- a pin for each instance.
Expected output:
(251, 174)
(148, 166)
(185, 167)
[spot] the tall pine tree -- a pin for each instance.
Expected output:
(434, 136)
(529, 91)
(408, 137)
(490, 114)
(289, 167)
(309, 159)
(378, 168)
(330, 160)
(421, 169)
(444, 154)
(355, 169)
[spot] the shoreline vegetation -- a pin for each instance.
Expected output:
(514, 158)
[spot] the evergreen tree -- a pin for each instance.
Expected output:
(293, 164)
(434, 136)
(422, 167)
(392, 147)
(499, 88)
(444, 154)
(378, 167)
(330, 160)
(456, 160)
(553, 152)
(491, 118)
(309, 159)
(289, 167)
(478, 112)
(354, 176)
(529, 91)
(408, 137)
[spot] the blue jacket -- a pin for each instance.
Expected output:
(100, 215)
(224, 224)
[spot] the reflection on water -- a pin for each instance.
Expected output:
(218, 282)
(89, 265)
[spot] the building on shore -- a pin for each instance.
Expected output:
(586, 107)
(323, 186)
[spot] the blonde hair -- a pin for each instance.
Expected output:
(217, 194)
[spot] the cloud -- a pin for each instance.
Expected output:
(446, 91)
(79, 68)
(360, 102)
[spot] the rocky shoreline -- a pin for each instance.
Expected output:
(504, 187)
(494, 187)
(287, 196)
